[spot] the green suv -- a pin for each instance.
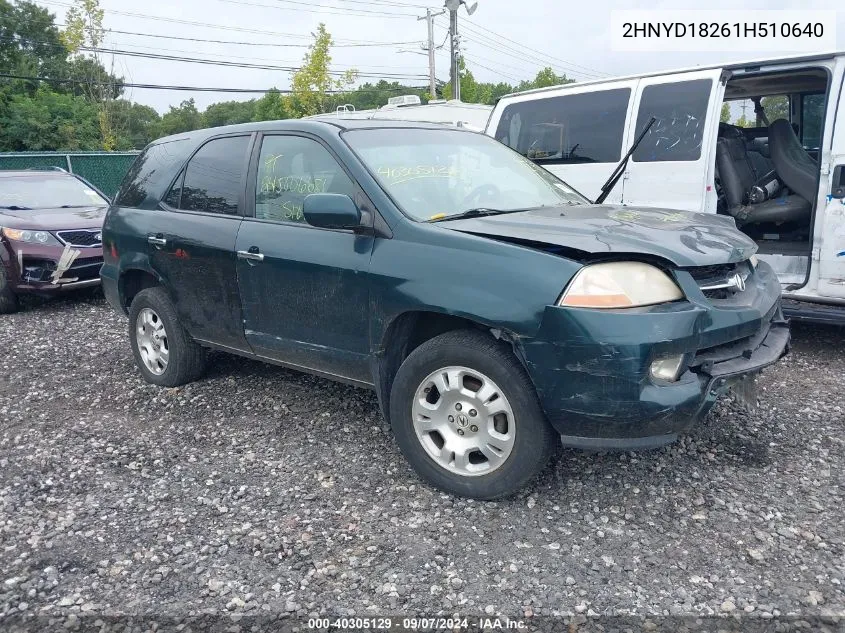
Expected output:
(494, 310)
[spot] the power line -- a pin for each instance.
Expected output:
(133, 53)
(159, 18)
(215, 62)
(336, 11)
(122, 85)
(385, 3)
(240, 43)
(562, 62)
(500, 47)
(497, 72)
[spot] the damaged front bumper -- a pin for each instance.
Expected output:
(591, 368)
(47, 270)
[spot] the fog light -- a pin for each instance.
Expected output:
(666, 368)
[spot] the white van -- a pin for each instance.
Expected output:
(781, 174)
(472, 116)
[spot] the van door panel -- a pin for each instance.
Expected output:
(673, 166)
(829, 230)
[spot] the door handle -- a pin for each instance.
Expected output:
(255, 257)
(156, 241)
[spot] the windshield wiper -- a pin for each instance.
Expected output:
(473, 213)
(15, 207)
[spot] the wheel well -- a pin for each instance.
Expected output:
(406, 333)
(134, 281)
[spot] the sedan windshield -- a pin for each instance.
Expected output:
(22, 193)
(437, 174)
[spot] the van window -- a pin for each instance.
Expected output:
(680, 109)
(567, 129)
(812, 114)
(290, 168)
(213, 176)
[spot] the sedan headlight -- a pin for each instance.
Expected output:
(619, 285)
(31, 237)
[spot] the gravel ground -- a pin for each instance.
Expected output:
(263, 491)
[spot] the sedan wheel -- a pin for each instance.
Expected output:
(152, 341)
(464, 421)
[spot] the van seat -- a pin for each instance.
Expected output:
(738, 173)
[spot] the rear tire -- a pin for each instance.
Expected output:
(8, 299)
(163, 350)
(466, 416)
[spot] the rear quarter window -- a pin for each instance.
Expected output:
(567, 129)
(680, 109)
(151, 173)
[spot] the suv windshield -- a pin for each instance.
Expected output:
(432, 174)
(46, 192)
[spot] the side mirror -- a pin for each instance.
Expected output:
(331, 211)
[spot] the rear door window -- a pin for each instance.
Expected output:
(680, 109)
(812, 116)
(567, 129)
(214, 177)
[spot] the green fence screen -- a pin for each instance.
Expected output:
(105, 170)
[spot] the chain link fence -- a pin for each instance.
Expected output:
(104, 170)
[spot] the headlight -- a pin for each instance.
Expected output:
(31, 237)
(619, 285)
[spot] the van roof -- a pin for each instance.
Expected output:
(740, 65)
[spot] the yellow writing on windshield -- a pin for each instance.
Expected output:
(396, 175)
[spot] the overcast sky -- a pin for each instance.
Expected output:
(573, 37)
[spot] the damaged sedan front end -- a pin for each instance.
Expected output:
(50, 234)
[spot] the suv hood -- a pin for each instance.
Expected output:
(681, 237)
(54, 219)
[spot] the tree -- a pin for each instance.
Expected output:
(183, 118)
(776, 107)
(229, 113)
(30, 43)
(135, 125)
(313, 83)
(84, 32)
(725, 116)
(272, 107)
(49, 121)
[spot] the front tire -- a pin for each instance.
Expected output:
(163, 350)
(466, 416)
(8, 299)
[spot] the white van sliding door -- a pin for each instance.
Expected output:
(577, 132)
(673, 166)
(829, 233)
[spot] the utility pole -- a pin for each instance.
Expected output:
(454, 39)
(432, 78)
(455, 70)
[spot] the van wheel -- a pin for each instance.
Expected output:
(466, 416)
(8, 299)
(164, 352)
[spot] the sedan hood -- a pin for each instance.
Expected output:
(54, 219)
(683, 238)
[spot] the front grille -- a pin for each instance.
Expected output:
(85, 238)
(721, 281)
